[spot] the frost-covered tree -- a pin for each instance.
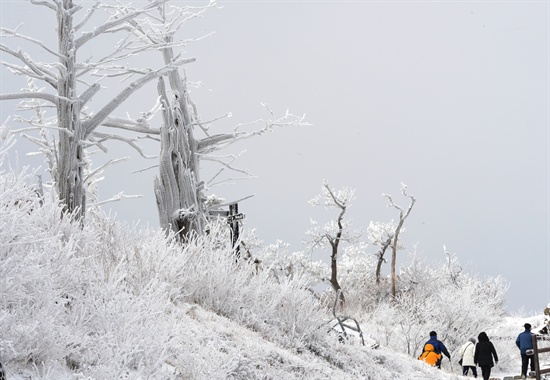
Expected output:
(334, 232)
(403, 214)
(153, 28)
(182, 204)
(71, 81)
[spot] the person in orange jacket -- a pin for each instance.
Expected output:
(438, 346)
(429, 355)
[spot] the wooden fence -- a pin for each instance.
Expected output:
(536, 351)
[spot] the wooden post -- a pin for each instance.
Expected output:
(233, 220)
(535, 352)
(536, 356)
(233, 217)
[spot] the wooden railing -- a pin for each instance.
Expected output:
(536, 351)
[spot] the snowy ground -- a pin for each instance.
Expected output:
(244, 353)
(504, 336)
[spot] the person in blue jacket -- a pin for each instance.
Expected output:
(439, 347)
(524, 341)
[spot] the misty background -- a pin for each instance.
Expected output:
(450, 98)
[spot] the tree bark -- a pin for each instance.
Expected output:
(70, 165)
(334, 255)
(179, 196)
(334, 274)
(380, 255)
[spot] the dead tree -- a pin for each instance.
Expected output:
(179, 189)
(154, 27)
(402, 216)
(70, 81)
(180, 201)
(335, 232)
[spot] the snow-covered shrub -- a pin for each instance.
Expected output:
(281, 263)
(30, 251)
(61, 303)
(275, 307)
(357, 276)
(429, 297)
(110, 302)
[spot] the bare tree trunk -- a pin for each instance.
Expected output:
(179, 192)
(380, 256)
(394, 259)
(334, 273)
(402, 217)
(179, 196)
(334, 255)
(70, 165)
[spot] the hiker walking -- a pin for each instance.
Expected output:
(467, 352)
(484, 354)
(429, 355)
(438, 347)
(524, 341)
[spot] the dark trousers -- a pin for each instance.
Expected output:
(467, 367)
(486, 372)
(525, 363)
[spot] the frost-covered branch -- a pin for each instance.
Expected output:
(88, 94)
(44, 3)
(89, 13)
(220, 141)
(98, 170)
(97, 138)
(98, 118)
(13, 33)
(7, 140)
(32, 95)
(139, 125)
(118, 197)
(225, 163)
(31, 68)
(109, 26)
(453, 268)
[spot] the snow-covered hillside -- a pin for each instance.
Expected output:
(109, 301)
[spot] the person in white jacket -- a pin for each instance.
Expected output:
(467, 352)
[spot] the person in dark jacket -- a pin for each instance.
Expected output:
(524, 341)
(439, 347)
(483, 357)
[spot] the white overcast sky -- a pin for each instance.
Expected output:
(449, 97)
